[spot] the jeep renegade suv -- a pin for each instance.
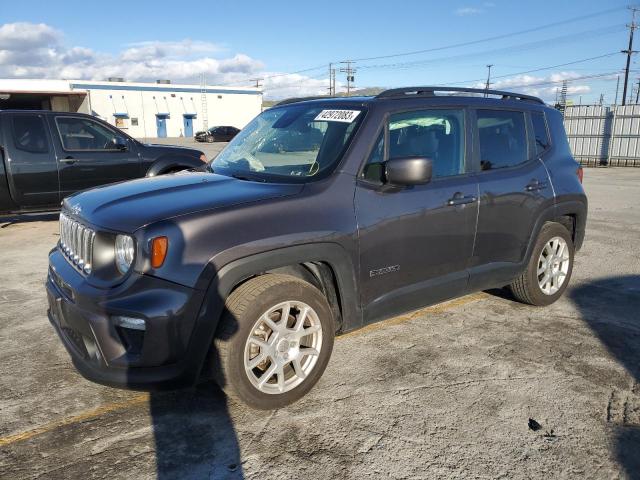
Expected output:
(321, 216)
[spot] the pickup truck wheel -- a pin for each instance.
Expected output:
(274, 341)
(549, 269)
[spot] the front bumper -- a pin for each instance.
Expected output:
(166, 355)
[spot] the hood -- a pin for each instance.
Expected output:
(130, 205)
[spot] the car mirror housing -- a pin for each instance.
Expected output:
(406, 171)
(120, 143)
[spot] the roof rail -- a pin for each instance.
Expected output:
(287, 101)
(430, 92)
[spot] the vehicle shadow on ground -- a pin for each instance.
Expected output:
(194, 435)
(611, 308)
(7, 221)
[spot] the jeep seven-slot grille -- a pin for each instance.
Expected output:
(76, 242)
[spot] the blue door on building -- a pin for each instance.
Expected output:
(161, 125)
(188, 125)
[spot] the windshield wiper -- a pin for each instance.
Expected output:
(249, 178)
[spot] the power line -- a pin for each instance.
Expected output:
(444, 47)
(517, 48)
(489, 39)
(539, 69)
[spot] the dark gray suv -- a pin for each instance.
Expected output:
(320, 217)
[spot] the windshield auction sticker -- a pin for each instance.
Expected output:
(346, 116)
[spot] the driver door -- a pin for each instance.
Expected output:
(416, 242)
(88, 156)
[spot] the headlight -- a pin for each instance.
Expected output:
(125, 253)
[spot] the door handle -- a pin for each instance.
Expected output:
(68, 159)
(459, 199)
(535, 185)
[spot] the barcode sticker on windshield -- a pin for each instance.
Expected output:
(346, 116)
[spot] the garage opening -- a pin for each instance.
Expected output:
(58, 102)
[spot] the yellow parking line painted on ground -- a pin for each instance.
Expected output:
(143, 398)
(82, 417)
(439, 308)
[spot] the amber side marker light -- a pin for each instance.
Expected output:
(159, 247)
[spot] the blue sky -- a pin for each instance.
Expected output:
(234, 41)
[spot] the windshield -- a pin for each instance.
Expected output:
(292, 142)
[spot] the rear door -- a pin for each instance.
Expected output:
(88, 155)
(514, 190)
(30, 160)
(415, 243)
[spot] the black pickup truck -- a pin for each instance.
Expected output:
(46, 156)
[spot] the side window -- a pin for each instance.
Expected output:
(29, 133)
(435, 134)
(540, 131)
(84, 134)
(503, 138)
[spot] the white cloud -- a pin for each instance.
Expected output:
(29, 50)
(544, 87)
(467, 11)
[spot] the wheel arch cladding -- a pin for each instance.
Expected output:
(171, 163)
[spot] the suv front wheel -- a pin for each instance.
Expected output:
(549, 269)
(274, 341)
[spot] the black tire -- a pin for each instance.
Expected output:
(243, 308)
(526, 287)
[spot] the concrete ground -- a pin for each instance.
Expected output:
(446, 392)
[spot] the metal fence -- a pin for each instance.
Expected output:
(604, 136)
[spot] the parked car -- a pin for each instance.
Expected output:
(217, 134)
(46, 156)
(247, 274)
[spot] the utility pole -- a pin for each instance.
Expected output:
(617, 88)
(332, 80)
(629, 51)
(257, 80)
(350, 75)
(488, 77)
(601, 99)
(638, 91)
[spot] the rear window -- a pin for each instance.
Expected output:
(29, 133)
(540, 131)
(503, 138)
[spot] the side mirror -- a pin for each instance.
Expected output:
(405, 171)
(120, 143)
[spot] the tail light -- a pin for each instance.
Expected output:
(580, 173)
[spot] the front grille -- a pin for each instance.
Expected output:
(76, 242)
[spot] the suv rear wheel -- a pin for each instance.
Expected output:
(549, 269)
(274, 341)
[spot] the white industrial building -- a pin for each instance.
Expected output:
(143, 110)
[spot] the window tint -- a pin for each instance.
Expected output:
(29, 133)
(540, 131)
(435, 134)
(503, 138)
(84, 134)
